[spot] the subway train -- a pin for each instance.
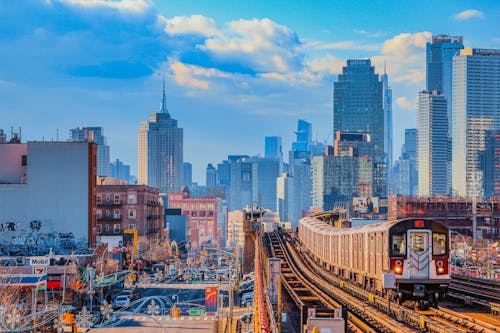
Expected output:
(407, 259)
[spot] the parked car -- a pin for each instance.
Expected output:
(247, 299)
(121, 301)
(246, 317)
(247, 284)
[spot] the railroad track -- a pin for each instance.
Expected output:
(361, 318)
(436, 320)
(471, 290)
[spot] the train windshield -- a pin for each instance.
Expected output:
(398, 245)
(438, 244)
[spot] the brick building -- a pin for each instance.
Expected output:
(121, 206)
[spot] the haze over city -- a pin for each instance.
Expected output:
(235, 72)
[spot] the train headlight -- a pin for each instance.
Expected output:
(440, 269)
(397, 270)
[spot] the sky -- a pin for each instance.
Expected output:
(236, 71)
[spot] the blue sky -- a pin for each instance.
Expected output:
(236, 71)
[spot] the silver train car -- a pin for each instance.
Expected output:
(410, 257)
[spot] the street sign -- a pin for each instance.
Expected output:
(40, 270)
(197, 312)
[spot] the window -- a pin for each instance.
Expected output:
(116, 229)
(132, 198)
(438, 244)
(106, 227)
(398, 245)
(194, 213)
(116, 213)
(210, 213)
(99, 199)
(99, 229)
(108, 197)
(132, 226)
(108, 212)
(418, 242)
(117, 199)
(131, 214)
(99, 213)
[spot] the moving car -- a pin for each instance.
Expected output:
(121, 301)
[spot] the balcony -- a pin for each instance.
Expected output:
(152, 217)
(109, 218)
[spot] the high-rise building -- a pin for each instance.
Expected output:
(491, 164)
(273, 147)
(241, 183)
(432, 144)
(475, 111)
(439, 54)
(304, 136)
(211, 176)
(160, 151)
(187, 169)
(358, 103)
(405, 169)
(387, 105)
(120, 170)
(286, 200)
(264, 173)
(96, 135)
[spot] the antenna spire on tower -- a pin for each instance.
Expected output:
(163, 107)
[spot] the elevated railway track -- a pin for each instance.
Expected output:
(376, 313)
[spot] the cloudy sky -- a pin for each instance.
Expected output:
(236, 71)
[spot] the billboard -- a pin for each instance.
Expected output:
(211, 299)
(365, 205)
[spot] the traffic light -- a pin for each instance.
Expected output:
(175, 312)
(68, 318)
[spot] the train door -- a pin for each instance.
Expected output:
(418, 250)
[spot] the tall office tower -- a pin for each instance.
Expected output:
(120, 170)
(405, 169)
(304, 136)
(211, 176)
(160, 151)
(286, 199)
(491, 164)
(387, 105)
(264, 173)
(358, 103)
(439, 54)
(274, 149)
(241, 182)
(432, 144)
(187, 171)
(96, 135)
(475, 111)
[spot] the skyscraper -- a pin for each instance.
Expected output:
(358, 103)
(304, 136)
(491, 164)
(160, 151)
(264, 173)
(187, 169)
(96, 135)
(211, 176)
(387, 105)
(475, 111)
(120, 170)
(273, 147)
(405, 169)
(432, 144)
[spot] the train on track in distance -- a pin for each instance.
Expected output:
(406, 259)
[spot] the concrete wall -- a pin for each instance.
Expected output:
(10, 162)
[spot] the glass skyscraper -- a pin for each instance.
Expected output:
(304, 136)
(96, 135)
(387, 105)
(160, 151)
(476, 111)
(432, 144)
(358, 103)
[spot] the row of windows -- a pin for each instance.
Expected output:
(116, 228)
(115, 198)
(132, 213)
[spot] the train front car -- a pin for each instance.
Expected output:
(419, 258)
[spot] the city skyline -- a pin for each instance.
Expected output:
(223, 78)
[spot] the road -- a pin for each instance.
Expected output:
(201, 324)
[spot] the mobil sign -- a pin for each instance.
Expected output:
(37, 261)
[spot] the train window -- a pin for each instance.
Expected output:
(438, 244)
(418, 242)
(398, 245)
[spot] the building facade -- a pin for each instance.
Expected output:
(48, 189)
(120, 170)
(432, 144)
(405, 169)
(475, 111)
(264, 173)
(387, 105)
(187, 173)
(490, 164)
(96, 135)
(123, 207)
(211, 176)
(160, 151)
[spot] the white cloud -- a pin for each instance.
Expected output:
(371, 34)
(327, 64)
(469, 14)
(194, 24)
(188, 75)
(404, 103)
(263, 45)
(137, 6)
